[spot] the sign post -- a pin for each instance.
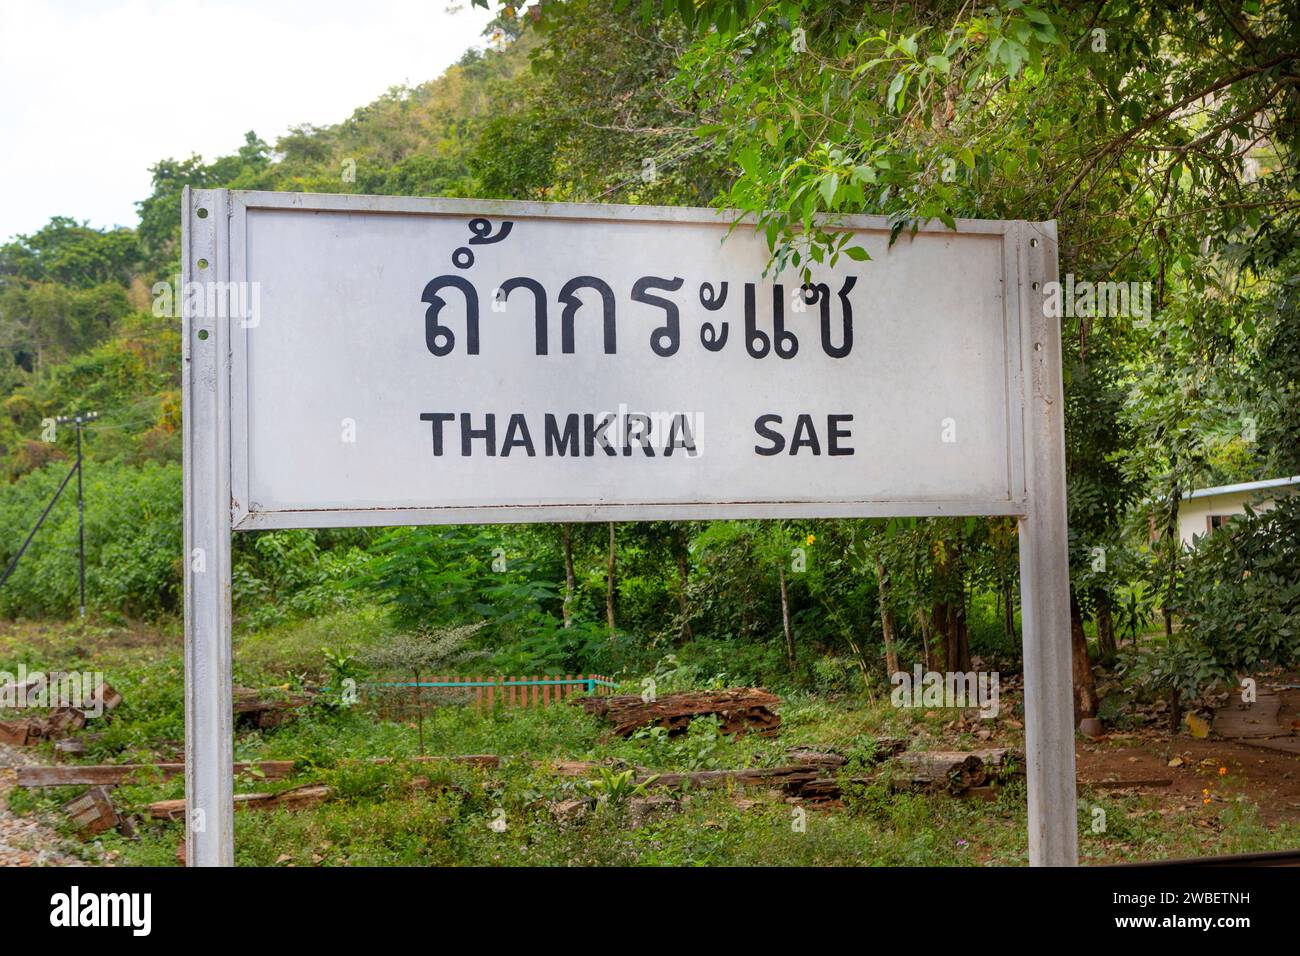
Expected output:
(205, 385)
(371, 361)
(1045, 577)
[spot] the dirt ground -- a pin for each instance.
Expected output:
(1226, 768)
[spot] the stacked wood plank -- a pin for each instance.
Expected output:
(59, 720)
(740, 709)
(92, 812)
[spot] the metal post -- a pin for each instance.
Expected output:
(1044, 569)
(209, 769)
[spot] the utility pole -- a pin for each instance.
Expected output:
(80, 419)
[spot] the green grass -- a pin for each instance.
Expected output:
(295, 647)
(404, 813)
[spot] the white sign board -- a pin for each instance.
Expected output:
(424, 357)
(358, 360)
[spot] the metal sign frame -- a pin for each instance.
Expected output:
(215, 401)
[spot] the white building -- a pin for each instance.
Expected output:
(1203, 510)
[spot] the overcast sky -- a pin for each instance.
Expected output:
(94, 93)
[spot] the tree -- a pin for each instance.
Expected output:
(610, 585)
(159, 229)
(422, 652)
(71, 254)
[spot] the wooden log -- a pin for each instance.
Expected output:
(828, 788)
(953, 771)
(71, 775)
(740, 710)
(68, 775)
(1000, 759)
(885, 749)
(299, 798)
(790, 778)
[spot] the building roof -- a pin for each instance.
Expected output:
(1244, 486)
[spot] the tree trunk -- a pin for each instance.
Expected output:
(950, 613)
(961, 634)
(1173, 546)
(945, 650)
(609, 581)
(785, 618)
(740, 709)
(887, 621)
(960, 627)
(570, 580)
(1008, 608)
(419, 711)
(683, 579)
(923, 622)
(1106, 628)
(1085, 690)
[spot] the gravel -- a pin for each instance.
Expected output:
(26, 840)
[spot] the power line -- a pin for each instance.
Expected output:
(40, 521)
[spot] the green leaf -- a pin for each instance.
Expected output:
(829, 184)
(1014, 56)
(895, 87)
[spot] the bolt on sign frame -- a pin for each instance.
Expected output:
(369, 361)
